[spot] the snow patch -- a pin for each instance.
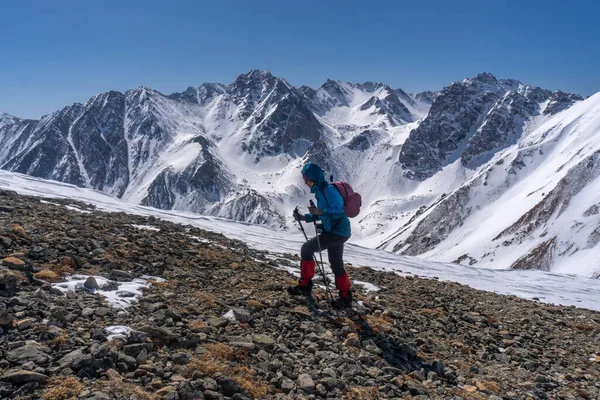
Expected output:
(126, 293)
(118, 332)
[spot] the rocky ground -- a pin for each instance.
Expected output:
(413, 338)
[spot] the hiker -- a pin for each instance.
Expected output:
(335, 232)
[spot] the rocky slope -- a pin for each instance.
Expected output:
(413, 338)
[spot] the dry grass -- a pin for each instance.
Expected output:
(93, 270)
(246, 378)
(198, 326)
(63, 388)
(463, 347)
(207, 299)
(59, 340)
(214, 361)
(362, 393)
(584, 327)
(108, 256)
(439, 312)
(207, 365)
(255, 304)
(66, 267)
(349, 322)
(211, 364)
(379, 324)
(218, 360)
(124, 390)
(115, 343)
(488, 386)
(220, 351)
(163, 285)
(48, 276)
(18, 229)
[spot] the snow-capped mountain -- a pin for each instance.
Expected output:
(427, 164)
(535, 205)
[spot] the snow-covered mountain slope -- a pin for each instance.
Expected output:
(535, 205)
(363, 105)
(235, 151)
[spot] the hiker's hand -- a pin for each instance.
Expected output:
(298, 216)
(315, 211)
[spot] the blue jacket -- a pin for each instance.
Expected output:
(329, 200)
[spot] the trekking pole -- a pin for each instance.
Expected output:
(312, 204)
(300, 222)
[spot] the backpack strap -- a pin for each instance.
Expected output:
(325, 195)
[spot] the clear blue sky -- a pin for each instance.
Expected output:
(55, 53)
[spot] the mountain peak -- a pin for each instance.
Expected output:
(486, 77)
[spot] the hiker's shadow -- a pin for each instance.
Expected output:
(396, 353)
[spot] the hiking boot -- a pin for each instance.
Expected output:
(300, 290)
(342, 302)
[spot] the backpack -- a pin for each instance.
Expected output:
(352, 199)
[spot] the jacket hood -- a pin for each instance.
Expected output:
(315, 174)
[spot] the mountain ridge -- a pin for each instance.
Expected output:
(234, 151)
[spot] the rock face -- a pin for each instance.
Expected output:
(561, 101)
(471, 120)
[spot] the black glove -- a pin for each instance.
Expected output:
(298, 216)
(315, 211)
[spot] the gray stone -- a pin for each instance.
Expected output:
(5, 242)
(25, 323)
(110, 286)
(242, 314)
(264, 341)
(142, 358)
(229, 387)
(137, 337)
(14, 345)
(181, 358)
(243, 345)
(98, 252)
(75, 360)
(21, 377)
(305, 383)
(29, 352)
(6, 320)
(287, 385)
(158, 332)
(87, 312)
(129, 361)
(120, 275)
(212, 395)
(102, 311)
(217, 322)
(8, 283)
(134, 349)
(187, 391)
(90, 283)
